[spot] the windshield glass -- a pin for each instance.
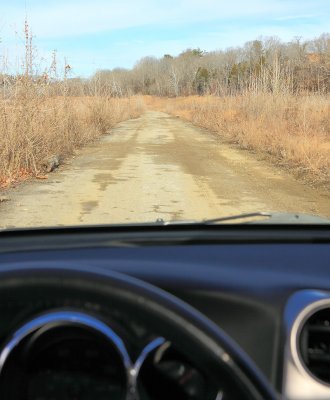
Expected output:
(124, 111)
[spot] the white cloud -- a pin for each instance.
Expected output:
(66, 18)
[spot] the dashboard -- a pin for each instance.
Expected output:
(272, 298)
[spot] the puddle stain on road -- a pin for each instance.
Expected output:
(106, 179)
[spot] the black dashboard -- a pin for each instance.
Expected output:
(249, 288)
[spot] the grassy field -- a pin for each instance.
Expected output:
(293, 130)
(36, 126)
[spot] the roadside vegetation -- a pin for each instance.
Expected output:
(293, 130)
(45, 117)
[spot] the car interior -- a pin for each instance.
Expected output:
(165, 311)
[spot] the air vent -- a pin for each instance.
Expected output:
(315, 345)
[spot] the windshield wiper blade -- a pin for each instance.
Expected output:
(238, 216)
(259, 217)
(272, 218)
(160, 221)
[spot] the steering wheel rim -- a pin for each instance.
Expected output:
(185, 322)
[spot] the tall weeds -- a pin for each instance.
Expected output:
(38, 119)
(35, 127)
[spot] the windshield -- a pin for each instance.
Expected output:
(122, 111)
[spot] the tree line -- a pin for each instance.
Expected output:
(266, 64)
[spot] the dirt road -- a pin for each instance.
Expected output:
(153, 167)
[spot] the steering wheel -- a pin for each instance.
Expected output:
(180, 323)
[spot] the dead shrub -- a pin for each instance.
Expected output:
(36, 127)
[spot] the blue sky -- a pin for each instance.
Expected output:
(103, 34)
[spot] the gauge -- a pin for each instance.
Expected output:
(65, 362)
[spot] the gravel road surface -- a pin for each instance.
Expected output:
(157, 166)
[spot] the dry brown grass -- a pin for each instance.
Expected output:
(39, 120)
(35, 125)
(294, 130)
